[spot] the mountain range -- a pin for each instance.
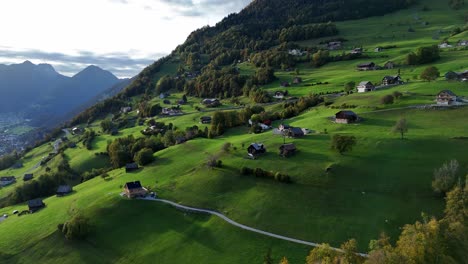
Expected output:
(46, 96)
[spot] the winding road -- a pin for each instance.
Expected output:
(234, 223)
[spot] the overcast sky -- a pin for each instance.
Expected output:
(122, 36)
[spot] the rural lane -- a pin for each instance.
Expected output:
(234, 223)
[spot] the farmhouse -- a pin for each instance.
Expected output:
(63, 190)
(390, 80)
(295, 52)
(134, 189)
(35, 205)
(77, 130)
(334, 45)
(297, 80)
(211, 102)
(131, 167)
(205, 119)
(368, 66)
(27, 177)
(356, 51)
(446, 97)
(295, 132)
(256, 148)
(163, 95)
(444, 45)
(287, 150)
(125, 110)
(346, 117)
(389, 65)
(365, 86)
(279, 95)
(378, 49)
(7, 180)
(462, 43)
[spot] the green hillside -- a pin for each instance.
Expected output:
(379, 186)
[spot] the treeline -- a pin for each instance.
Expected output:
(304, 32)
(260, 173)
(223, 120)
(294, 109)
(8, 160)
(129, 149)
(98, 110)
(423, 55)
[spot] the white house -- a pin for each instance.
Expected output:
(365, 86)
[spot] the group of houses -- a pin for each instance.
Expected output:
(8, 180)
(35, 205)
(371, 66)
(256, 149)
(457, 76)
(367, 86)
(292, 132)
(445, 44)
(171, 111)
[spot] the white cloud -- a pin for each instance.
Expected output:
(137, 29)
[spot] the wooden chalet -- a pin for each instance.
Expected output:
(334, 45)
(134, 189)
(368, 66)
(297, 80)
(63, 190)
(287, 150)
(35, 205)
(356, 51)
(256, 148)
(28, 176)
(295, 132)
(391, 80)
(205, 119)
(346, 117)
(131, 167)
(446, 97)
(365, 87)
(7, 180)
(279, 95)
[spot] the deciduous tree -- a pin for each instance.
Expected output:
(430, 74)
(343, 143)
(401, 127)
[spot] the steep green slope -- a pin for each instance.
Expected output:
(381, 185)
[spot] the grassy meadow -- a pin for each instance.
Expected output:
(381, 185)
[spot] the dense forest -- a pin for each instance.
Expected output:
(263, 24)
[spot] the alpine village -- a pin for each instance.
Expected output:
(290, 132)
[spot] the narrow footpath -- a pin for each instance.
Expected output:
(234, 223)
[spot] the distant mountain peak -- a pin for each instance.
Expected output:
(26, 62)
(93, 71)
